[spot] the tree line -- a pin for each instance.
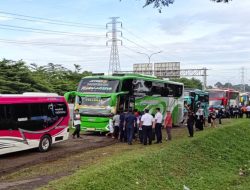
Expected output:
(17, 77)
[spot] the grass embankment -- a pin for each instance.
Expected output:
(210, 160)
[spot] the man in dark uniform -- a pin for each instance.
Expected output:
(122, 127)
(190, 123)
(130, 123)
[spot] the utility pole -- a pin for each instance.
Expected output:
(242, 74)
(149, 59)
(114, 62)
(204, 78)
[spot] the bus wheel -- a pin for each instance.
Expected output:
(45, 143)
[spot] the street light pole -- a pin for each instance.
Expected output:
(149, 57)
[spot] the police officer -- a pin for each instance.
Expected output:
(130, 123)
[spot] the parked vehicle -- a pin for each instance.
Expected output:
(32, 120)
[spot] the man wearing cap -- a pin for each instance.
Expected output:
(147, 122)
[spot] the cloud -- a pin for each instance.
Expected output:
(4, 17)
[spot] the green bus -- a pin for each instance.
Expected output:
(197, 99)
(98, 97)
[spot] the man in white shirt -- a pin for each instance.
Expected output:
(116, 120)
(77, 124)
(158, 126)
(147, 121)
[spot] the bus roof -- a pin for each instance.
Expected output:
(30, 98)
(132, 76)
(220, 89)
(31, 94)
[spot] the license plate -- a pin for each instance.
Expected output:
(90, 129)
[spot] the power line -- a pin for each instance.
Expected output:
(137, 36)
(135, 43)
(49, 21)
(45, 31)
(48, 43)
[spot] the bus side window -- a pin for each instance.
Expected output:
(21, 115)
(2, 117)
(6, 121)
(127, 85)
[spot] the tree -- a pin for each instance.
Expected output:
(190, 83)
(163, 3)
(16, 77)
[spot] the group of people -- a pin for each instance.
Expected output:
(133, 125)
(143, 126)
(197, 120)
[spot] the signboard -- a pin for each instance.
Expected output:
(143, 68)
(167, 69)
(98, 85)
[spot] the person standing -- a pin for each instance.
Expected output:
(213, 119)
(236, 112)
(77, 124)
(168, 124)
(248, 111)
(190, 123)
(116, 120)
(220, 115)
(140, 127)
(147, 123)
(130, 123)
(199, 120)
(158, 125)
(122, 127)
(111, 127)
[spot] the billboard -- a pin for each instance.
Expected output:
(167, 69)
(162, 69)
(143, 68)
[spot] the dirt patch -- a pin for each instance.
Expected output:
(14, 161)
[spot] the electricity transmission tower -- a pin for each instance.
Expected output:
(114, 62)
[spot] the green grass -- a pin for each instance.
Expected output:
(210, 160)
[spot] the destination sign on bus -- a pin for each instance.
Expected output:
(98, 85)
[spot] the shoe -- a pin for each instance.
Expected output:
(73, 136)
(160, 142)
(79, 137)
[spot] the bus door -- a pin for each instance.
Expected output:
(125, 102)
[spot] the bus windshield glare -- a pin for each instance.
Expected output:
(98, 86)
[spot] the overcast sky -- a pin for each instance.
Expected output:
(198, 33)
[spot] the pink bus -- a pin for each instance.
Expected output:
(32, 120)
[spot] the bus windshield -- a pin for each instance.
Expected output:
(94, 105)
(98, 85)
(215, 103)
(216, 94)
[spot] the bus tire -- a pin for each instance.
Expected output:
(45, 143)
